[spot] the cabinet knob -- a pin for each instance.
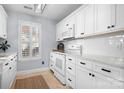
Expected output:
(69, 79)
(112, 26)
(108, 27)
(90, 74)
(70, 68)
(67, 24)
(6, 64)
(10, 67)
(93, 75)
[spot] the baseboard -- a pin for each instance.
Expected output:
(27, 72)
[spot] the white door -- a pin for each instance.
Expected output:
(119, 16)
(102, 17)
(84, 79)
(105, 82)
(79, 31)
(89, 19)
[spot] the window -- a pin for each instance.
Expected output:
(29, 40)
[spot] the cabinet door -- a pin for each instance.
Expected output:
(102, 17)
(59, 29)
(79, 31)
(83, 78)
(105, 82)
(5, 78)
(119, 16)
(3, 23)
(4, 26)
(89, 19)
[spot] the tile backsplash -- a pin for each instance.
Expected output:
(106, 46)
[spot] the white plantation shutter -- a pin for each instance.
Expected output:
(29, 37)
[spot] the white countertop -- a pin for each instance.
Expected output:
(108, 60)
(6, 56)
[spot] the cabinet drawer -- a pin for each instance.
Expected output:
(84, 63)
(109, 71)
(70, 58)
(70, 68)
(70, 80)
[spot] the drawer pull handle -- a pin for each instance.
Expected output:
(105, 70)
(69, 79)
(70, 68)
(6, 64)
(82, 33)
(70, 59)
(82, 63)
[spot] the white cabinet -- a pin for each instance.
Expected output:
(85, 20)
(52, 61)
(104, 82)
(84, 79)
(89, 19)
(59, 30)
(70, 71)
(103, 16)
(8, 72)
(119, 16)
(69, 28)
(3, 23)
(79, 31)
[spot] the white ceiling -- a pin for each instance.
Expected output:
(52, 11)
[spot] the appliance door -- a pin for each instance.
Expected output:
(60, 64)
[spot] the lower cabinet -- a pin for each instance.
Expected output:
(105, 82)
(70, 80)
(8, 72)
(84, 79)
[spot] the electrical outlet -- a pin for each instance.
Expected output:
(42, 62)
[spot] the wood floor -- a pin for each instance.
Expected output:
(34, 82)
(47, 75)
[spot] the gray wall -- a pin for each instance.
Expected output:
(47, 40)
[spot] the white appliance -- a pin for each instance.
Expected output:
(68, 31)
(74, 49)
(59, 70)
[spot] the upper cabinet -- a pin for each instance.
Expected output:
(69, 28)
(103, 17)
(94, 19)
(79, 27)
(3, 23)
(89, 19)
(119, 18)
(59, 30)
(85, 21)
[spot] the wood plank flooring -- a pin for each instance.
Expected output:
(48, 76)
(34, 82)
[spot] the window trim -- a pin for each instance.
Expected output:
(22, 22)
